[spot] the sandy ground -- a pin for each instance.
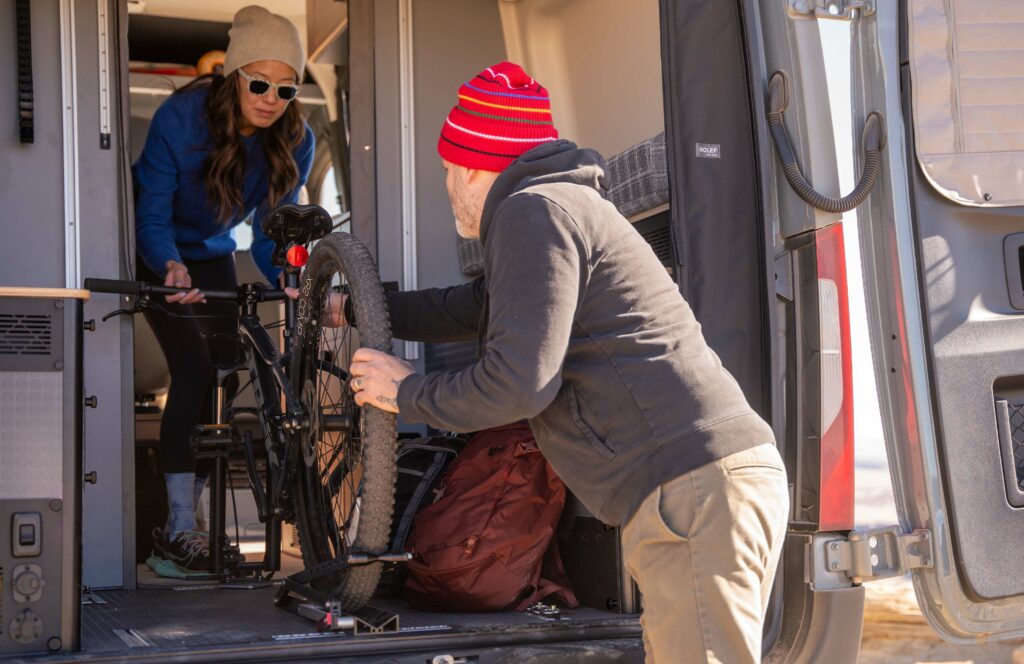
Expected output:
(894, 630)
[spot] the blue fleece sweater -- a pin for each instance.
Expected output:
(174, 218)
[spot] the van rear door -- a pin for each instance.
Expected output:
(942, 239)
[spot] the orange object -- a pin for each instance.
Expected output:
(212, 62)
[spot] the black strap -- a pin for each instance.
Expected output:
(438, 464)
(23, 23)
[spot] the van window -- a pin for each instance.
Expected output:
(328, 191)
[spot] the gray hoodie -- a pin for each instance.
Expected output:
(584, 334)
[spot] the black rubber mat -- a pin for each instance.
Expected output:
(151, 620)
(189, 617)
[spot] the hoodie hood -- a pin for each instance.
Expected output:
(553, 162)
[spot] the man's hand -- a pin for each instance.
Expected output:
(376, 377)
(336, 316)
(178, 277)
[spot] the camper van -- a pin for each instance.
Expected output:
(715, 121)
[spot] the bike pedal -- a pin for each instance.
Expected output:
(232, 556)
(214, 440)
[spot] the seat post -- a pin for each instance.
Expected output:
(291, 280)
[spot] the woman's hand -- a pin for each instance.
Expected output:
(178, 277)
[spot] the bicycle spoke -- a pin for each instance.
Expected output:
(337, 454)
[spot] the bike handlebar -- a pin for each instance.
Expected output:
(141, 288)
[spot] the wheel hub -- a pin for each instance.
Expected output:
(312, 422)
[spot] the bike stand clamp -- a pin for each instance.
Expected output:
(329, 617)
(298, 596)
(218, 442)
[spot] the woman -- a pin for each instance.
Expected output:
(221, 149)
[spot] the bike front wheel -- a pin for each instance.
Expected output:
(346, 477)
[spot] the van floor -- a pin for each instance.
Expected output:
(138, 619)
(137, 624)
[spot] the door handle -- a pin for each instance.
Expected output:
(872, 142)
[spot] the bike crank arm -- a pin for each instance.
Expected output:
(255, 483)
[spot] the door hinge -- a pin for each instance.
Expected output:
(840, 10)
(879, 554)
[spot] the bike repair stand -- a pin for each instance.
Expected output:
(219, 442)
(298, 596)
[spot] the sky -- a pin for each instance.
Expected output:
(870, 445)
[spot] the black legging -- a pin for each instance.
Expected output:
(192, 347)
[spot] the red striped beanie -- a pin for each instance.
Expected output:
(501, 114)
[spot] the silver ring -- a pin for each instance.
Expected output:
(357, 384)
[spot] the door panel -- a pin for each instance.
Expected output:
(947, 345)
(808, 354)
(792, 45)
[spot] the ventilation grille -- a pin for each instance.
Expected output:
(26, 334)
(660, 239)
(1017, 440)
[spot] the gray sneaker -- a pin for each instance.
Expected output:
(190, 550)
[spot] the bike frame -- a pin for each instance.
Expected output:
(271, 386)
(280, 411)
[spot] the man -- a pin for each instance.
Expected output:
(586, 336)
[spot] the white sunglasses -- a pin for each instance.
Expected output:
(259, 87)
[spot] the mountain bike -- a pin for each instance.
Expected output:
(330, 464)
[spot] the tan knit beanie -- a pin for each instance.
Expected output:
(256, 34)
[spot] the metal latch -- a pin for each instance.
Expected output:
(840, 10)
(879, 554)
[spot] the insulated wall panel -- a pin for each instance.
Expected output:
(966, 59)
(31, 405)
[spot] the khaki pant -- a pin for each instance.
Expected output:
(703, 549)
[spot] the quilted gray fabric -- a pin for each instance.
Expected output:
(639, 177)
(638, 180)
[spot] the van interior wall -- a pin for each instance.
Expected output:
(601, 61)
(451, 43)
(61, 196)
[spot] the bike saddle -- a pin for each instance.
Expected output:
(295, 224)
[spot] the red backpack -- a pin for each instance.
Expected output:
(488, 541)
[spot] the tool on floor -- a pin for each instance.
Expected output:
(298, 596)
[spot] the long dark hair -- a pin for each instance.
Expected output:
(224, 169)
